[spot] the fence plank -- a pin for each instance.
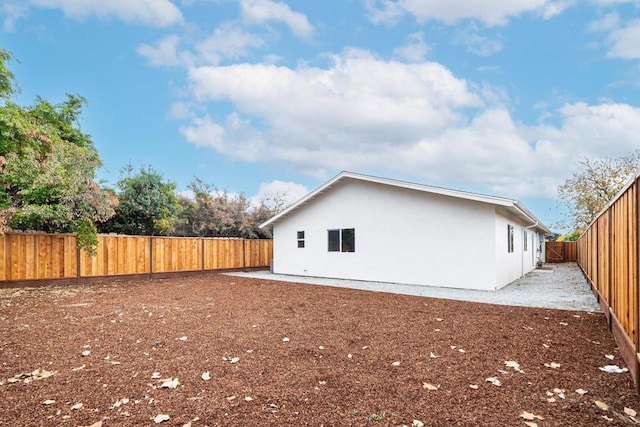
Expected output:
(561, 252)
(4, 256)
(39, 256)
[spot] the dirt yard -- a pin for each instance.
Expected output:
(216, 350)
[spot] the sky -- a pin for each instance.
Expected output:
(500, 97)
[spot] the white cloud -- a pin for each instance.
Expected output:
(552, 9)
(366, 114)
(235, 137)
(415, 49)
(204, 132)
(511, 159)
(387, 12)
(604, 130)
(227, 41)
(625, 42)
(611, 2)
(271, 193)
(608, 22)
(181, 111)
(360, 99)
(157, 13)
(12, 12)
(476, 43)
(263, 11)
(489, 12)
(623, 39)
(165, 53)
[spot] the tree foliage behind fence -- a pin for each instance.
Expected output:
(37, 256)
(608, 256)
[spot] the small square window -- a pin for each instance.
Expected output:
(300, 235)
(300, 239)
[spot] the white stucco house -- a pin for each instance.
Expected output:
(362, 227)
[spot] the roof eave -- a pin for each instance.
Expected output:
(497, 201)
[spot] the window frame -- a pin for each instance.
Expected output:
(341, 240)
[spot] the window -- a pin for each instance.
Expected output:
(348, 240)
(301, 239)
(343, 240)
(334, 240)
(509, 238)
(525, 238)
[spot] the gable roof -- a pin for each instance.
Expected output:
(510, 205)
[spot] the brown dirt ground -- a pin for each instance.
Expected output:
(337, 369)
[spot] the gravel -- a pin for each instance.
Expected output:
(557, 286)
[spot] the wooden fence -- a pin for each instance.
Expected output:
(608, 256)
(561, 251)
(36, 256)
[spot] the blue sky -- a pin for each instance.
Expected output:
(501, 97)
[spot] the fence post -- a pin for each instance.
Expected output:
(8, 260)
(636, 218)
(78, 260)
(244, 253)
(202, 251)
(150, 256)
(610, 259)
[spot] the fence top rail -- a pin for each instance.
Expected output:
(38, 233)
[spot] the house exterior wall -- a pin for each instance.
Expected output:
(513, 265)
(401, 236)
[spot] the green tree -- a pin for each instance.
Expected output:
(589, 190)
(215, 213)
(47, 168)
(148, 205)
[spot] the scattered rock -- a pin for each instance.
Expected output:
(613, 369)
(170, 383)
(160, 418)
(493, 380)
